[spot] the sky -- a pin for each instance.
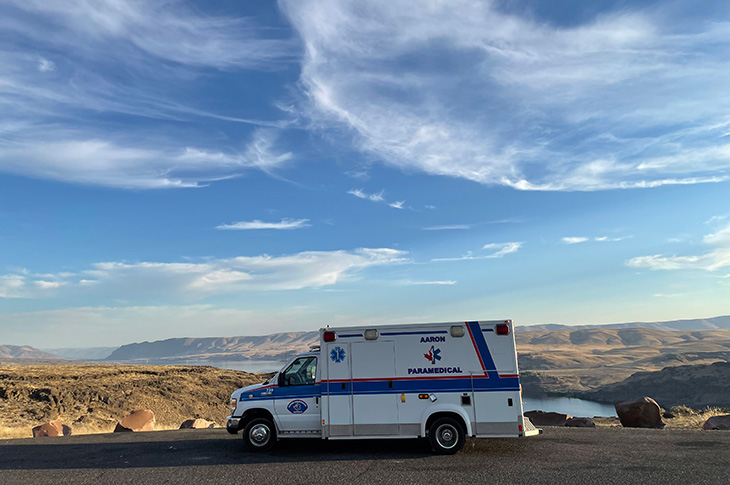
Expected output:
(217, 168)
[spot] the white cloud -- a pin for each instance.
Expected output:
(449, 227)
(378, 197)
(119, 60)
(397, 205)
(257, 224)
(574, 240)
(135, 165)
(482, 71)
(711, 260)
(503, 248)
(498, 250)
(309, 269)
(44, 65)
(436, 283)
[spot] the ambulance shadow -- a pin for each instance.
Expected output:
(101, 452)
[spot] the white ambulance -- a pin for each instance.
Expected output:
(444, 381)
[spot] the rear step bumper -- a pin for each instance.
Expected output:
(530, 429)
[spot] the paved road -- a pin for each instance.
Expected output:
(560, 455)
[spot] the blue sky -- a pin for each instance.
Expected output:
(175, 168)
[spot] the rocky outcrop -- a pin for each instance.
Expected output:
(542, 418)
(643, 412)
(718, 422)
(52, 428)
(140, 420)
(197, 424)
(580, 423)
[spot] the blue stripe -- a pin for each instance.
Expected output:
(350, 335)
(483, 349)
(487, 330)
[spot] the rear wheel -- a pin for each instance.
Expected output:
(259, 435)
(446, 436)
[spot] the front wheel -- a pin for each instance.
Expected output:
(447, 436)
(259, 435)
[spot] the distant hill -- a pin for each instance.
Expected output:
(276, 346)
(83, 353)
(692, 385)
(693, 324)
(25, 352)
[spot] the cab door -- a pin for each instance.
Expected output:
(296, 399)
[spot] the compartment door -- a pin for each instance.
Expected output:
(338, 389)
(375, 398)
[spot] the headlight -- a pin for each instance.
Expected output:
(233, 404)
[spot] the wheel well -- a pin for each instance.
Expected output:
(256, 413)
(446, 414)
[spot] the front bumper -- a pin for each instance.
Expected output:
(233, 424)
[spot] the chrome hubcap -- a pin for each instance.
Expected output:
(446, 436)
(259, 435)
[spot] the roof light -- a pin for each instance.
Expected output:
(329, 336)
(371, 334)
(456, 331)
(502, 329)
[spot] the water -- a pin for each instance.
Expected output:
(569, 405)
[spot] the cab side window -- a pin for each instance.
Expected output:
(301, 372)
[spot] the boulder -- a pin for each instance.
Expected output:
(52, 428)
(542, 418)
(643, 412)
(140, 420)
(718, 422)
(580, 423)
(197, 424)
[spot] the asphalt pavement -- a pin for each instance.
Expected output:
(560, 455)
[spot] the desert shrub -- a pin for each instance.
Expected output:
(682, 410)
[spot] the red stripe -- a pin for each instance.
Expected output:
(509, 375)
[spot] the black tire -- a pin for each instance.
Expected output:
(259, 435)
(447, 436)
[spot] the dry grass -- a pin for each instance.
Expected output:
(93, 398)
(688, 418)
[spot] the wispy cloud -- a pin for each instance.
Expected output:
(711, 260)
(449, 227)
(582, 239)
(309, 269)
(585, 95)
(44, 65)
(436, 283)
(499, 250)
(502, 249)
(118, 60)
(378, 197)
(257, 224)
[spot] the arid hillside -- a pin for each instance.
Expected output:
(588, 362)
(92, 398)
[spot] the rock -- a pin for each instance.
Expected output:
(718, 422)
(541, 418)
(197, 424)
(580, 423)
(52, 428)
(140, 420)
(643, 412)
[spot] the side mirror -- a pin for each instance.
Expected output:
(281, 379)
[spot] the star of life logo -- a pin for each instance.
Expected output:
(433, 355)
(337, 355)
